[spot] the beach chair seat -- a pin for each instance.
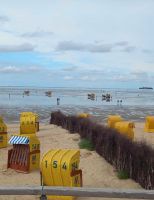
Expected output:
(25, 154)
(3, 134)
(60, 167)
(113, 119)
(149, 124)
(125, 128)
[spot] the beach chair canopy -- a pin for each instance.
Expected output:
(19, 140)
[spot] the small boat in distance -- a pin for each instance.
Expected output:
(147, 88)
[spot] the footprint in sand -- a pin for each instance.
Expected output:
(75, 139)
(86, 154)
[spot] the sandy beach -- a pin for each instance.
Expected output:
(96, 171)
(81, 73)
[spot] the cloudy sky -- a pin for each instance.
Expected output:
(77, 43)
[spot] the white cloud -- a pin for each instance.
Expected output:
(121, 43)
(70, 69)
(16, 48)
(14, 69)
(131, 77)
(147, 51)
(88, 78)
(3, 19)
(10, 69)
(93, 47)
(68, 78)
(129, 49)
(102, 39)
(143, 67)
(102, 21)
(37, 34)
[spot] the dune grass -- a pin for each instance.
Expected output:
(86, 144)
(122, 174)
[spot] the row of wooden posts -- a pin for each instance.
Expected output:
(124, 154)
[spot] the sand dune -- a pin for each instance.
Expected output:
(96, 171)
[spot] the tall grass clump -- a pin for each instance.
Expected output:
(123, 174)
(131, 159)
(86, 144)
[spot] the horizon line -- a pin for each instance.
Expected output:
(34, 86)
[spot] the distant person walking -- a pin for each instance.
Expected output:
(118, 102)
(58, 101)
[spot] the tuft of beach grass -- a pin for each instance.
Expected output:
(86, 144)
(122, 174)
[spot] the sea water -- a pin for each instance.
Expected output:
(132, 104)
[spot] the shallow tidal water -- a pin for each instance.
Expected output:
(135, 105)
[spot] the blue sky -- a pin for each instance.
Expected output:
(69, 43)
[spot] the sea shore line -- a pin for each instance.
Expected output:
(98, 113)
